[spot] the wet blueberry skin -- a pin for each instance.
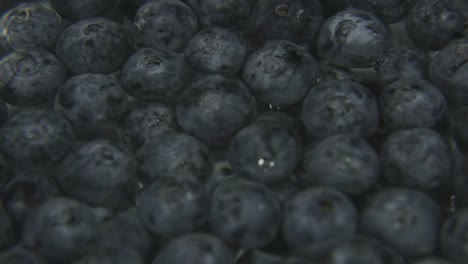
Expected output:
(406, 219)
(62, 229)
(172, 207)
(419, 158)
(30, 77)
(202, 248)
(410, 103)
(100, 174)
(94, 45)
(78, 10)
(353, 38)
(168, 24)
(30, 25)
(316, 218)
(432, 24)
(143, 121)
(214, 107)
(280, 73)
(453, 235)
(245, 213)
(295, 20)
(403, 62)
(344, 162)
(155, 74)
(449, 71)
(216, 50)
(91, 101)
(265, 151)
(174, 155)
(35, 140)
(336, 107)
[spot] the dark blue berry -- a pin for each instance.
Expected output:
(213, 108)
(171, 207)
(245, 213)
(30, 77)
(453, 236)
(266, 151)
(410, 103)
(20, 256)
(344, 162)
(432, 24)
(406, 219)
(328, 72)
(353, 38)
(459, 115)
(280, 73)
(61, 229)
(35, 139)
(294, 20)
(94, 45)
(91, 101)
(199, 248)
(390, 11)
(216, 51)
(30, 24)
(316, 218)
(432, 260)
(336, 107)
(224, 13)
(419, 158)
(144, 121)
(99, 173)
(3, 113)
(155, 74)
(78, 10)
(166, 23)
(402, 62)
(117, 255)
(7, 232)
(172, 156)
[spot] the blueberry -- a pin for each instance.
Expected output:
(213, 108)
(363, 250)
(336, 107)
(250, 37)
(144, 121)
(460, 5)
(265, 151)
(280, 73)
(344, 162)
(78, 10)
(410, 103)
(199, 248)
(125, 229)
(403, 62)
(329, 72)
(245, 213)
(432, 24)
(91, 101)
(294, 20)
(432, 260)
(94, 45)
(406, 219)
(171, 207)
(353, 38)
(419, 158)
(216, 50)
(224, 13)
(449, 71)
(118, 255)
(316, 218)
(7, 232)
(390, 11)
(155, 74)
(172, 156)
(35, 139)
(284, 190)
(99, 173)
(30, 77)
(61, 229)
(5, 172)
(459, 115)
(3, 113)
(30, 24)
(297, 260)
(166, 23)
(453, 236)
(20, 256)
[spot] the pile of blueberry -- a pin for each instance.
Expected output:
(234, 132)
